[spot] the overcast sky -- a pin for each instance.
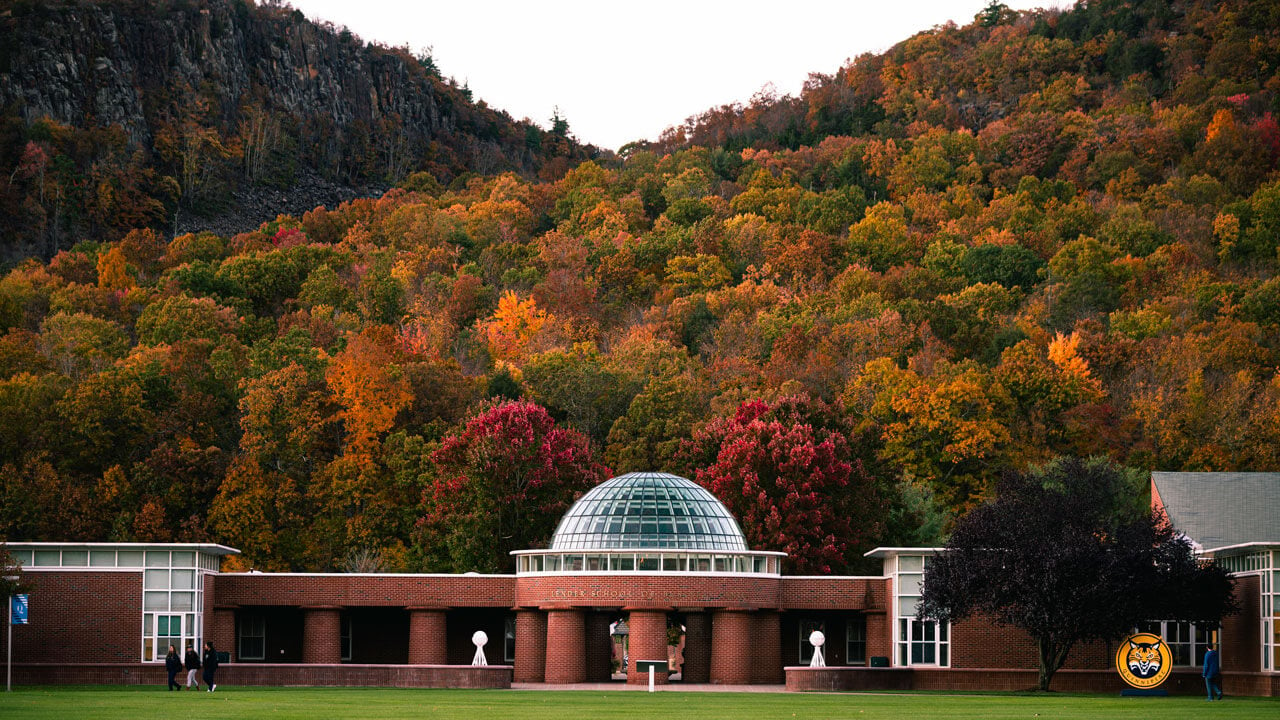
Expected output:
(622, 71)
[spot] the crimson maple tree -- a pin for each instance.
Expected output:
(503, 483)
(786, 470)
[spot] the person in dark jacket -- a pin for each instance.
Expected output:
(210, 663)
(1212, 674)
(173, 665)
(192, 661)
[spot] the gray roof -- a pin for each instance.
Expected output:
(1221, 509)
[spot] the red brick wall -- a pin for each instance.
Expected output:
(566, 646)
(833, 593)
(220, 629)
(879, 635)
(1241, 633)
(1089, 681)
(731, 647)
(831, 679)
(697, 648)
(979, 643)
(368, 590)
(599, 647)
(648, 642)
(531, 646)
(647, 590)
(766, 657)
(347, 675)
(321, 642)
(80, 617)
(428, 636)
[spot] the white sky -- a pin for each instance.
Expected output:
(622, 71)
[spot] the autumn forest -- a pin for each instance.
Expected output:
(846, 312)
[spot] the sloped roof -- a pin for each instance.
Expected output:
(1221, 509)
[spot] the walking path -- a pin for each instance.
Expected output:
(672, 687)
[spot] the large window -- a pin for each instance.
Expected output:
(806, 648)
(923, 642)
(344, 637)
(172, 599)
(919, 642)
(1187, 643)
(855, 641)
(509, 639)
(253, 638)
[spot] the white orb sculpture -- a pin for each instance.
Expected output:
(479, 638)
(816, 639)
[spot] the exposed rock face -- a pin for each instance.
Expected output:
(354, 114)
(82, 63)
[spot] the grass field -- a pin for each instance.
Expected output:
(88, 703)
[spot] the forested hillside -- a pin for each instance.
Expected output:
(116, 114)
(847, 314)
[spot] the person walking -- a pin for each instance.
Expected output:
(210, 664)
(192, 661)
(173, 665)
(1212, 674)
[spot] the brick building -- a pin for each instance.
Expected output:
(653, 550)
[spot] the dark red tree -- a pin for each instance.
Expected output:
(503, 484)
(787, 472)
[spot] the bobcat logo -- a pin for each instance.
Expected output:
(1143, 660)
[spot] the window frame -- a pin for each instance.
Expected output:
(243, 625)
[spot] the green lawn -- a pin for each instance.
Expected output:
(86, 703)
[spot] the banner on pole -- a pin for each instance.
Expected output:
(18, 609)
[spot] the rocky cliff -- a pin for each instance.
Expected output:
(183, 108)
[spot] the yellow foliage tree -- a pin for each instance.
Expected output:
(113, 271)
(515, 323)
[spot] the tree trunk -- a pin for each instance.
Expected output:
(1052, 656)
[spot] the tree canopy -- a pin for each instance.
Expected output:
(1067, 553)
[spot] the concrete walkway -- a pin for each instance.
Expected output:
(672, 687)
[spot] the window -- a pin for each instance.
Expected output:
(919, 642)
(923, 642)
(344, 637)
(509, 640)
(1187, 643)
(855, 641)
(253, 637)
(168, 632)
(806, 648)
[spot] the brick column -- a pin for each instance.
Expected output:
(599, 648)
(879, 635)
(566, 646)
(428, 636)
(697, 648)
(648, 642)
(321, 635)
(220, 629)
(731, 647)
(766, 653)
(531, 646)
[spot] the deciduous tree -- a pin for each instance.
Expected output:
(1068, 553)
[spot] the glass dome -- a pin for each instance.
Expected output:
(648, 510)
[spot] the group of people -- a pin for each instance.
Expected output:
(193, 663)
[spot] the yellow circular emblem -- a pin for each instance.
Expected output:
(1143, 660)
